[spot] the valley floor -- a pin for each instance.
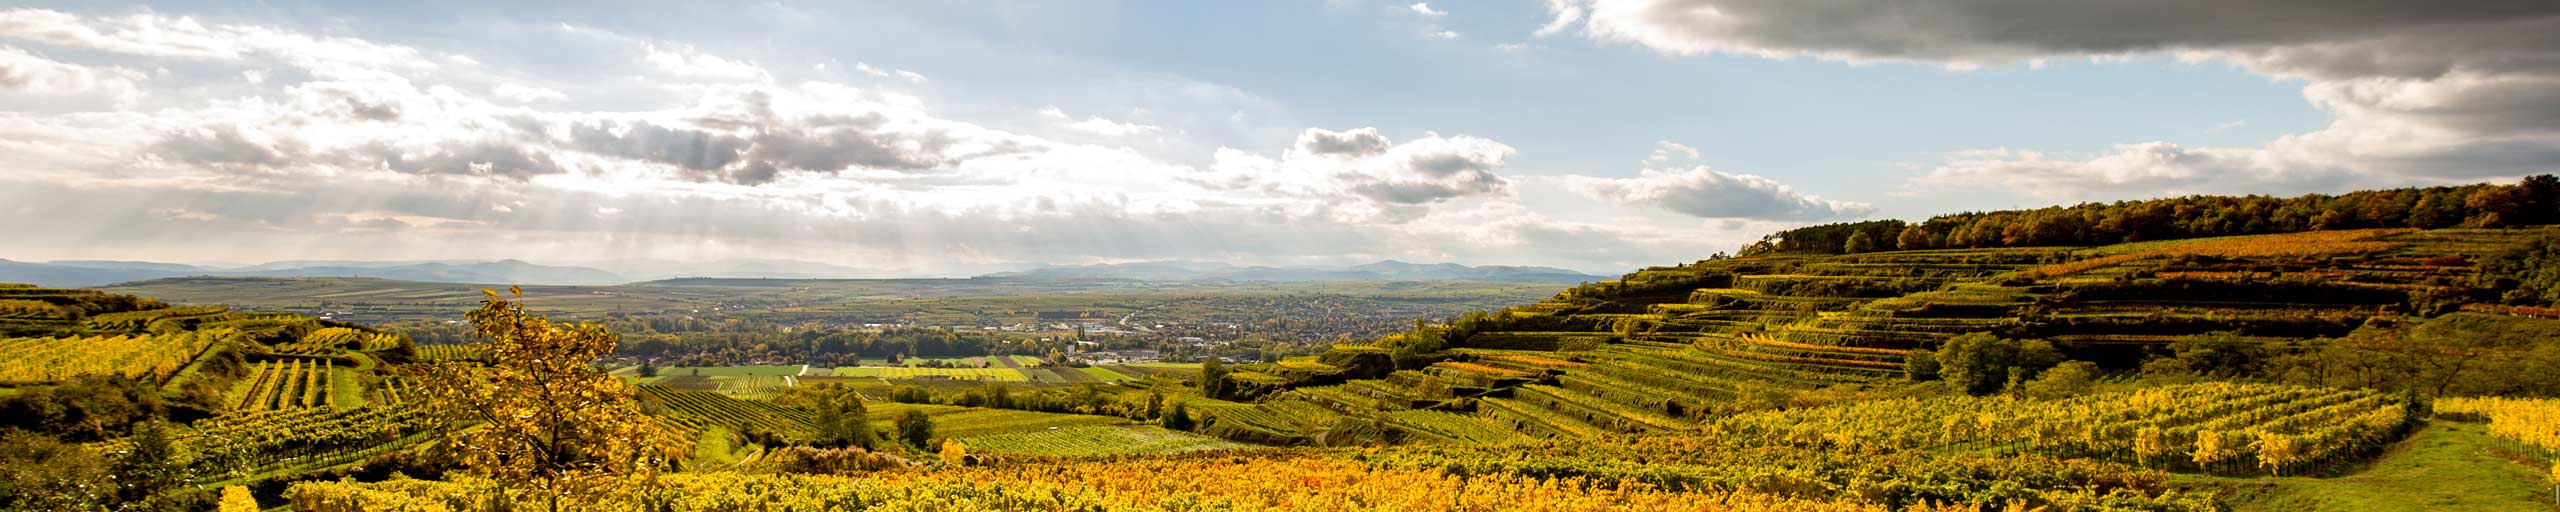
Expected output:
(2447, 465)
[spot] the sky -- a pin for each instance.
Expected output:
(952, 138)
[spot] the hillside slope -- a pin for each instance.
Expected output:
(1666, 348)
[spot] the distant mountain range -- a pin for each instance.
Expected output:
(1384, 270)
(85, 274)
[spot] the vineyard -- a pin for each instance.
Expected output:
(288, 384)
(1100, 440)
(1301, 482)
(691, 410)
(247, 446)
(2207, 427)
(152, 356)
(2527, 428)
(1776, 381)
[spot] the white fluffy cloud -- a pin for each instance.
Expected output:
(1096, 125)
(343, 147)
(2420, 92)
(1708, 193)
(1389, 180)
(31, 73)
(685, 61)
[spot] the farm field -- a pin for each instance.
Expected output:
(1096, 441)
(904, 373)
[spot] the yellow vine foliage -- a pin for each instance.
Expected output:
(2527, 422)
(2304, 244)
(953, 452)
(236, 499)
(1310, 482)
(539, 416)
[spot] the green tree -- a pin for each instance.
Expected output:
(2068, 379)
(1179, 418)
(1858, 242)
(843, 420)
(38, 472)
(2527, 275)
(1912, 238)
(1920, 366)
(539, 418)
(148, 469)
(1981, 364)
(915, 428)
(648, 369)
(1213, 379)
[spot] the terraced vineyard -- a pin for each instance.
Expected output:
(2221, 426)
(149, 356)
(254, 445)
(695, 410)
(1097, 440)
(1666, 349)
(290, 385)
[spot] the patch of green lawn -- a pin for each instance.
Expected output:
(2444, 466)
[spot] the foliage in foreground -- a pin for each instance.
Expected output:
(541, 418)
(1206, 483)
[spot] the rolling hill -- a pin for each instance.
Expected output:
(2249, 353)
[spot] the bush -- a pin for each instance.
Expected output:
(1920, 366)
(838, 461)
(2068, 379)
(1982, 364)
(915, 428)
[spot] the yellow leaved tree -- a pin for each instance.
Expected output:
(538, 419)
(953, 452)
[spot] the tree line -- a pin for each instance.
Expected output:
(2535, 200)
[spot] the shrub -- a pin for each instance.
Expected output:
(1983, 364)
(2067, 379)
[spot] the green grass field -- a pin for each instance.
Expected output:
(1105, 374)
(768, 370)
(968, 423)
(2444, 466)
(977, 374)
(1096, 441)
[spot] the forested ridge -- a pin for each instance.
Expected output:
(2534, 201)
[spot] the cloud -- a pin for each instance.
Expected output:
(1356, 142)
(1566, 12)
(2420, 92)
(225, 145)
(901, 74)
(1707, 193)
(344, 147)
(1392, 179)
(526, 94)
(1424, 8)
(138, 34)
(685, 61)
(1097, 125)
(2151, 166)
(27, 72)
(1665, 151)
(149, 34)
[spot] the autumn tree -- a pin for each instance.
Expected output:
(538, 418)
(1982, 364)
(1213, 379)
(843, 420)
(915, 428)
(1912, 239)
(1179, 419)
